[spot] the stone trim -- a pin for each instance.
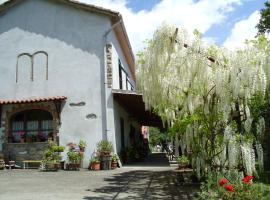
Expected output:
(109, 65)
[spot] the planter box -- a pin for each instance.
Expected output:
(51, 167)
(106, 162)
(73, 166)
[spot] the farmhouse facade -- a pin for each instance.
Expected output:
(67, 72)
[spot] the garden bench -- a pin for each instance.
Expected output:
(26, 163)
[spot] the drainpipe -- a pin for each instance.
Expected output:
(105, 136)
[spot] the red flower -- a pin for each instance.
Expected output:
(223, 181)
(247, 178)
(229, 188)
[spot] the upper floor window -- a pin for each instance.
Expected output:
(124, 80)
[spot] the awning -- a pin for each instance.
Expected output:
(133, 103)
(32, 100)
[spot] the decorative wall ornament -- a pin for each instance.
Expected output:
(91, 116)
(109, 65)
(32, 64)
(82, 103)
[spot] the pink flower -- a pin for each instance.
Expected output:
(223, 181)
(229, 188)
(21, 133)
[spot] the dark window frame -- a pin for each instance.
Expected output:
(121, 69)
(26, 119)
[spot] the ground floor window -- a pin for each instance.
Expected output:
(31, 126)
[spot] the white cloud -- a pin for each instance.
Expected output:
(242, 30)
(188, 14)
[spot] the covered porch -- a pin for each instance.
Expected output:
(27, 125)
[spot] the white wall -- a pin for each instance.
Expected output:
(74, 42)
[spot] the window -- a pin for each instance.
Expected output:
(31, 126)
(124, 80)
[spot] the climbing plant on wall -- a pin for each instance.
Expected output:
(208, 96)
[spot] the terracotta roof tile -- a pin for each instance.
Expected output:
(31, 100)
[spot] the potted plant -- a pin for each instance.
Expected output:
(82, 145)
(74, 157)
(114, 163)
(42, 136)
(183, 162)
(29, 137)
(2, 162)
(51, 158)
(94, 164)
(104, 149)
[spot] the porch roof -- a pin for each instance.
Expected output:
(32, 100)
(133, 103)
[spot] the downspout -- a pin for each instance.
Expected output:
(105, 136)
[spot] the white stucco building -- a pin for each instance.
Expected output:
(67, 72)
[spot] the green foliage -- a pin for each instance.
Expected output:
(115, 158)
(258, 105)
(104, 146)
(74, 156)
(183, 160)
(56, 148)
(52, 153)
(82, 144)
(212, 190)
(264, 24)
(94, 160)
(156, 136)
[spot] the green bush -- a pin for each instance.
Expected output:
(58, 148)
(115, 158)
(222, 188)
(82, 144)
(74, 156)
(183, 160)
(104, 146)
(94, 160)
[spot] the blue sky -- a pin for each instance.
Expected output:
(218, 32)
(224, 22)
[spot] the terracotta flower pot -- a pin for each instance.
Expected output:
(82, 149)
(95, 166)
(114, 165)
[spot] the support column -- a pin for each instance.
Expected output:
(176, 142)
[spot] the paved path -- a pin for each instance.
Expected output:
(130, 182)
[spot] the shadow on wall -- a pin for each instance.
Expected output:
(142, 185)
(60, 21)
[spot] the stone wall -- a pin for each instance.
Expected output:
(24, 151)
